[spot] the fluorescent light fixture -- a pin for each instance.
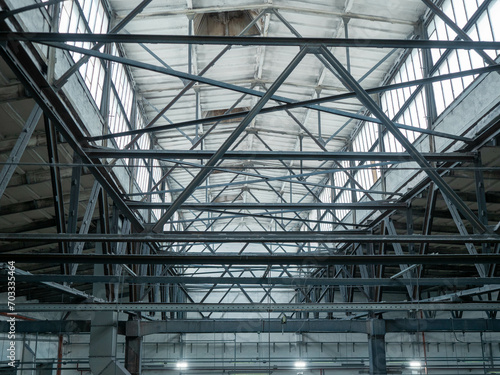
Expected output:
(415, 364)
(300, 364)
(182, 365)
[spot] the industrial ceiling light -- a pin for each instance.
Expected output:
(415, 364)
(182, 365)
(300, 364)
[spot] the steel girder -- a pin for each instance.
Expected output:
(260, 307)
(42, 37)
(102, 152)
(275, 281)
(301, 259)
(259, 325)
(375, 205)
(352, 236)
(190, 84)
(314, 325)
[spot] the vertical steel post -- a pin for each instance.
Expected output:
(376, 347)
(133, 352)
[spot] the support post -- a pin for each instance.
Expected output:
(133, 348)
(376, 347)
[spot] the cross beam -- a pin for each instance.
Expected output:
(275, 281)
(244, 41)
(259, 325)
(103, 152)
(302, 259)
(258, 307)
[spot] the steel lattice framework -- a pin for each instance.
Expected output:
(198, 198)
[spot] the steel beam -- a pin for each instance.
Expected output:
(344, 236)
(33, 205)
(302, 259)
(368, 102)
(463, 294)
(317, 325)
(258, 307)
(295, 178)
(433, 69)
(375, 205)
(103, 152)
(276, 281)
(18, 150)
(42, 37)
(427, 224)
(38, 177)
(259, 325)
(311, 103)
(48, 326)
(195, 145)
